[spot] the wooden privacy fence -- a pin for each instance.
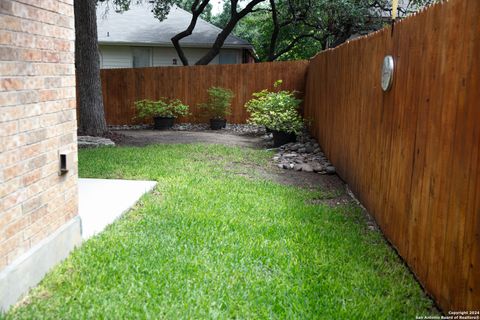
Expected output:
(122, 87)
(411, 155)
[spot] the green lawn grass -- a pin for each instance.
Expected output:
(209, 243)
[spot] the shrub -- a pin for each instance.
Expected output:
(275, 110)
(161, 108)
(219, 102)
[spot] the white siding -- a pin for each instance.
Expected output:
(164, 56)
(112, 57)
(121, 56)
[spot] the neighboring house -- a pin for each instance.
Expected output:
(135, 38)
(39, 222)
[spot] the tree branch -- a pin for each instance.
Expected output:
(196, 12)
(293, 43)
(222, 36)
(296, 16)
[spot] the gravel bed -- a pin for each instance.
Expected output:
(303, 155)
(131, 127)
(239, 129)
(94, 142)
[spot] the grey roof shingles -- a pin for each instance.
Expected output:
(138, 26)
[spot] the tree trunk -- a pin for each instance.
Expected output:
(87, 63)
(217, 45)
(275, 32)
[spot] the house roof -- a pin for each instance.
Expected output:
(138, 26)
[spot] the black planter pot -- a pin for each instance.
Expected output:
(217, 124)
(268, 130)
(163, 123)
(281, 137)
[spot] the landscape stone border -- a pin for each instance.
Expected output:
(94, 142)
(303, 155)
(240, 129)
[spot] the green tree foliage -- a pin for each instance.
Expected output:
(282, 29)
(187, 5)
(221, 19)
(160, 8)
(298, 29)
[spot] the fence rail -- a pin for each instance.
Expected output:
(411, 155)
(122, 87)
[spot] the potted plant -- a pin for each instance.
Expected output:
(218, 106)
(163, 111)
(278, 112)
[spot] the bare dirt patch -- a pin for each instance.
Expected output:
(142, 138)
(330, 185)
(332, 188)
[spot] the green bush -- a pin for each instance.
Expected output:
(219, 102)
(275, 110)
(161, 108)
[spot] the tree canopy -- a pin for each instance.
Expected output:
(280, 29)
(298, 29)
(160, 8)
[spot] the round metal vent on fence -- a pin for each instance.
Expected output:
(387, 73)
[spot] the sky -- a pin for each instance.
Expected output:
(217, 6)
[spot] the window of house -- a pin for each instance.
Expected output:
(227, 58)
(142, 57)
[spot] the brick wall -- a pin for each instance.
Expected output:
(37, 120)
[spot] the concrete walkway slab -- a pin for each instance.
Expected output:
(102, 201)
